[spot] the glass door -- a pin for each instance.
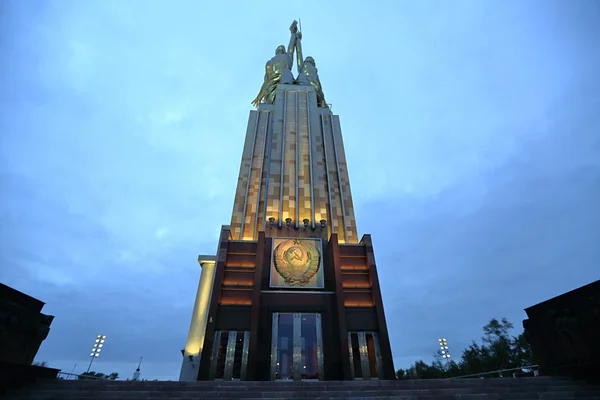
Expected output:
(296, 348)
(365, 355)
(229, 357)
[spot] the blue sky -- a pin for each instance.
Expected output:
(472, 133)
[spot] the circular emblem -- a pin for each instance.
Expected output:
(296, 261)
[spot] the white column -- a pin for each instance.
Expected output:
(195, 340)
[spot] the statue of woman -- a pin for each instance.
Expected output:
(308, 73)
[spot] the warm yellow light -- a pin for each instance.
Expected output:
(196, 336)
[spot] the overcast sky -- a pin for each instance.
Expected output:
(472, 132)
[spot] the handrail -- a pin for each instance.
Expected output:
(76, 376)
(500, 371)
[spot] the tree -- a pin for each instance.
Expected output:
(98, 375)
(40, 364)
(498, 351)
(522, 351)
(495, 330)
(422, 370)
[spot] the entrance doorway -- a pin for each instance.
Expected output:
(296, 347)
(365, 355)
(229, 359)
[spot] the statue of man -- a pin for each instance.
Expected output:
(278, 70)
(308, 73)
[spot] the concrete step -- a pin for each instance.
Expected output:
(538, 388)
(130, 385)
(308, 389)
(324, 396)
(422, 395)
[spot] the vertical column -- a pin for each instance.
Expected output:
(352, 373)
(274, 336)
(320, 178)
(364, 355)
(262, 257)
(282, 172)
(239, 204)
(297, 339)
(276, 161)
(254, 181)
(267, 192)
(346, 349)
(250, 167)
(310, 163)
(289, 177)
(377, 355)
(214, 358)
(332, 173)
(231, 341)
(305, 191)
(213, 307)
(331, 219)
(297, 134)
(350, 221)
(195, 340)
(384, 341)
(264, 145)
(340, 186)
(244, 368)
(319, 327)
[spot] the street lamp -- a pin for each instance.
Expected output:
(98, 344)
(444, 349)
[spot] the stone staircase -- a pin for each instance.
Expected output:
(543, 388)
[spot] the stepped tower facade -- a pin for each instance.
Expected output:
(292, 293)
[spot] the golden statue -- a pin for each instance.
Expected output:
(308, 73)
(278, 70)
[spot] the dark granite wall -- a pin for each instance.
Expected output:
(564, 333)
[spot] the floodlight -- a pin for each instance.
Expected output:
(98, 343)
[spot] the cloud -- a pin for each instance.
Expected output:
(512, 236)
(471, 133)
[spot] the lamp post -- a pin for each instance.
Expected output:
(98, 344)
(444, 350)
(136, 374)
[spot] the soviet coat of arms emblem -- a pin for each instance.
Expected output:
(297, 261)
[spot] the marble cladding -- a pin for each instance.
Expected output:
(296, 140)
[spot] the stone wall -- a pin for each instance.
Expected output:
(564, 333)
(22, 326)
